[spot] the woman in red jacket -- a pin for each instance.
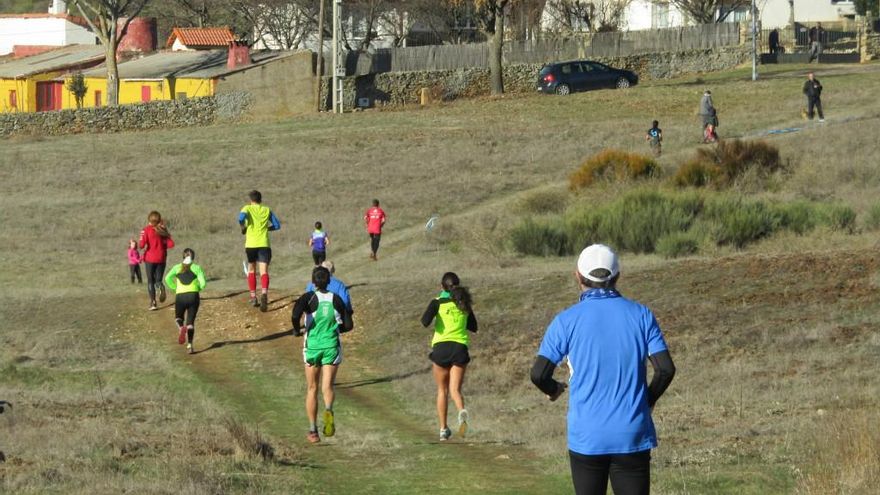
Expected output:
(156, 241)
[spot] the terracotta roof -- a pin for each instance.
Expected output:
(202, 36)
(69, 18)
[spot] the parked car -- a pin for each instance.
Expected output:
(563, 78)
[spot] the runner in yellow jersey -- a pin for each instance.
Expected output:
(186, 279)
(453, 318)
(256, 222)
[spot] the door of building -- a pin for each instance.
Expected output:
(49, 95)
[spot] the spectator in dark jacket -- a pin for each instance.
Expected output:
(813, 92)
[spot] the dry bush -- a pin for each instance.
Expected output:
(846, 457)
(249, 443)
(612, 165)
(728, 161)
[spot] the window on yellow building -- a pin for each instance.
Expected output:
(13, 99)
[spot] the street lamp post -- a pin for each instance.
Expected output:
(338, 68)
(754, 42)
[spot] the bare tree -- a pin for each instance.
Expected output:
(396, 20)
(450, 21)
(568, 17)
(280, 24)
(109, 19)
(709, 11)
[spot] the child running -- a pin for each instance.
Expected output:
(449, 354)
(186, 279)
(134, 261)
(322, 350)
(654, 137)
(319, 242)
(155, 241)
(256, 221)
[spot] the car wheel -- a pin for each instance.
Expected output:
(622, 83)
(563, 89)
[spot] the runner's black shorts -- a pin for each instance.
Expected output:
(446, 354)
(258, 255)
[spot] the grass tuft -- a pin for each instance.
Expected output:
(249, 443)
(728, 161)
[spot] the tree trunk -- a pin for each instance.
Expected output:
(497, 46)
(319, 72)
(112, 75)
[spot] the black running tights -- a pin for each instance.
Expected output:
(374, 242)
(135, 271)
(155, 272)
(186, 307)
(630, 473)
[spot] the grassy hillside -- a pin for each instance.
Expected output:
(774, 343)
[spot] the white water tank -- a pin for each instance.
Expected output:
(58, 7)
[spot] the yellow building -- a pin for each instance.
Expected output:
(37, 83)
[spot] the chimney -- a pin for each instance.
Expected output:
(58, 7)
(239, 55)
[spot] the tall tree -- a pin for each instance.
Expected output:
(491, 14)
(709, 11)
(865, 6)
(109, 19)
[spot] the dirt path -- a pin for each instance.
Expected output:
(249, 361)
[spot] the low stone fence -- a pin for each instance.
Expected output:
(404, 87)
(152, 115)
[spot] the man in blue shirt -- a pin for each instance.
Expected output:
(336, 286)
(607, 339)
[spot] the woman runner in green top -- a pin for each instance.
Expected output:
(453, 318)
(322, 350)
(186, 280)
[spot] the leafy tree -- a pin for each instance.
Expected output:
(109, 19)
(77, 86)
(864, 6)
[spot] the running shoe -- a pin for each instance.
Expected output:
(445, 433)
(254, 302)
(162, 293)
(313, 437)
(462, 423)
(189, 348)
(264, 303)
(329, 424)
(153, 306)
(181, 335)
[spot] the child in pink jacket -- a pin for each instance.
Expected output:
(134, 261)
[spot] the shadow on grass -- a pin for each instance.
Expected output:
(264, 338)
(225, 296)
(383, 379)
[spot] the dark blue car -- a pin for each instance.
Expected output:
(563, 78)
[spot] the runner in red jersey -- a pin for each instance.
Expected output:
(374, 219)
(156, 241)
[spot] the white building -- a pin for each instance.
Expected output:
(55, 28)
(780, 13)
(652, 14)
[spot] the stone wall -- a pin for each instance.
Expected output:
(280, 88)
(152, 115)
(403, 87)
(870, 46)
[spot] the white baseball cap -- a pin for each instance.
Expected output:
(188, 260)
(595, 257)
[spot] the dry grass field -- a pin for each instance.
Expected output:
(775, 344)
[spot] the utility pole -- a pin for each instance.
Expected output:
(754, 42)
(338, 69)
(320, 64)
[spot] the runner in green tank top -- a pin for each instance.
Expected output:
(453, 318)
(322, 350)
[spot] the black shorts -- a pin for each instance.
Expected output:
(258, 255)
(446, 354)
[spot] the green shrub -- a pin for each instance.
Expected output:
(872, 219)
(678, 244)
(612, 165)
(722, 164)
(841, 218)
(799, 217)
(738, 223)
(638, 220)
(540, 238)
(695, 173)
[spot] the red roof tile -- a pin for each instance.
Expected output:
(202, 37)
